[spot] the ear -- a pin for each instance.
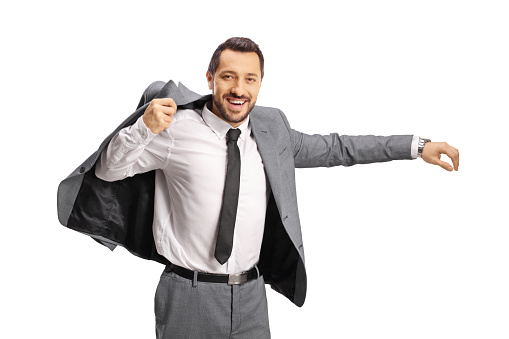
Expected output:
(210, 80)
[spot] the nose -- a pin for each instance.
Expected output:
(238, 88)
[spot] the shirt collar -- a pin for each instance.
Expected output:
(221, 127)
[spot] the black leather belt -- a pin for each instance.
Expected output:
(230, 279)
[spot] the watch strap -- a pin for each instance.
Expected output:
(420, 146)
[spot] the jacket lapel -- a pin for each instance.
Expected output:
(266, 146)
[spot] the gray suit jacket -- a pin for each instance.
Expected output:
(121, 212)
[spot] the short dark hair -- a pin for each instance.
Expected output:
(244, 45)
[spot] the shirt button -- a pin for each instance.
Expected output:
(82, 169)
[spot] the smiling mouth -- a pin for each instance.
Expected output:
(236, 104)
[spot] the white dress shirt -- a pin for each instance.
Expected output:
(190, 158)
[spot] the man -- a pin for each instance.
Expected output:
(206, 185)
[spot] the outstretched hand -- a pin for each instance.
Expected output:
(433, 150)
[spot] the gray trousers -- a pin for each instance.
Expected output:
(210, 310)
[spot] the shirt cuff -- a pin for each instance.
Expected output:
(414, 147)
(141, 133)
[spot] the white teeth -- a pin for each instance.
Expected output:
(237, 102)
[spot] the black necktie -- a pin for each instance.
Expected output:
(228, 214)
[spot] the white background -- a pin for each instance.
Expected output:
(394, 250)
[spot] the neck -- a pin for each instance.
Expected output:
(212, 107)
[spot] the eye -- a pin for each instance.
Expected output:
(251, 79)
(227, 77)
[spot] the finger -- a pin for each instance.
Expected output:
(166, 125)
(456, 158)
(166, 119)
(169, 102)
(163, 111)
(453, 154)
(168, 110)
(444, 165)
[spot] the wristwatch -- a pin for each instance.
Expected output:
(420, 147)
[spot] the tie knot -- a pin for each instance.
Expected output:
(233, 134)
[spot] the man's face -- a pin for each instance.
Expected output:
(235, 86)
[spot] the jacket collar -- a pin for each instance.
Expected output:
(182, 95)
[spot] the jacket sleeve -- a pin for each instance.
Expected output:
(335, 150)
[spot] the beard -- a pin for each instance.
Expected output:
(229, 116)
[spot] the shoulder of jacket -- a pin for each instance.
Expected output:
(268, 113)
(152, 89)
(267, 110)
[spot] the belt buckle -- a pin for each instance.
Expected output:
(237, 279)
